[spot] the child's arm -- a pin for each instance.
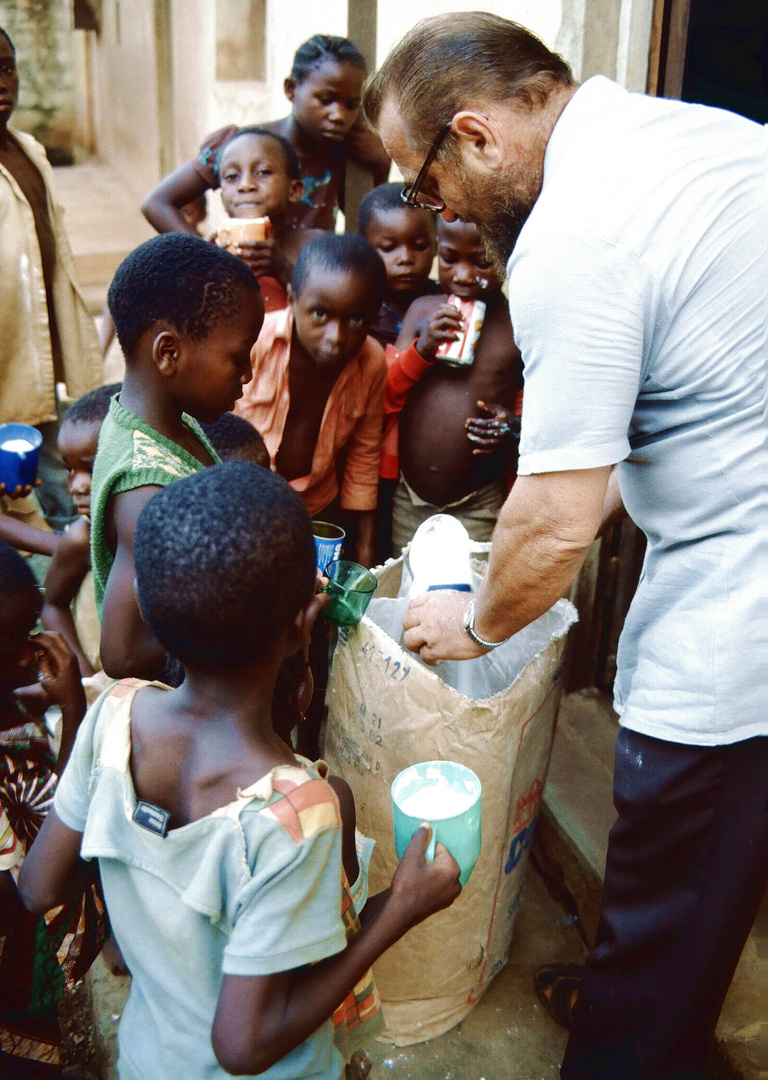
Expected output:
(128, 646)
(162, 207)
(260, 1019)
(26, 537)
(359, 485)
(53, 871)
(69, 565)
(365, 146)
(60, 680)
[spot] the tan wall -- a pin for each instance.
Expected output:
(125, 93)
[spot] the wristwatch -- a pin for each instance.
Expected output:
(468, 622)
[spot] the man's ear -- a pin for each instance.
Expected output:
(289, 88)
(480, 139)
(165, 352)
(295, 191)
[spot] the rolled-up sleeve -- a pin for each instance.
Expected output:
(360, 483)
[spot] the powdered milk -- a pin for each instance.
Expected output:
(17, 446)
(437, 801)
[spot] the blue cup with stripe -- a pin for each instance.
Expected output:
(328, 543)
(19, 452)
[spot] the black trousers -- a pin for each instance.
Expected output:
(686, 871)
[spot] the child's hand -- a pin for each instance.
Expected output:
(491, 433)
(59, 673)
(263, 257)
(444, 325)
(420, 888)
(19, 492)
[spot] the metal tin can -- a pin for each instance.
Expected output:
(461, 353)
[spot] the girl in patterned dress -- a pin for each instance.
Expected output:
(41, 957)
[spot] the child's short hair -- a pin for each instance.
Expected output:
(349, 253)
(292, 163)
(234, 439)
(176, 279)
(322, 48)
(224, 561)
(92, 406)
(6, 35)
(384, 198)
(16, 574)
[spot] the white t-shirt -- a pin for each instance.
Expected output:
(639, 298)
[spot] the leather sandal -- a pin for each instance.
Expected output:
(557, 988)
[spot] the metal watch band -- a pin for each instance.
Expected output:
(469, 625)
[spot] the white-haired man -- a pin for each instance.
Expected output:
(635, 237)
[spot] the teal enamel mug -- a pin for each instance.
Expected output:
(448, 796)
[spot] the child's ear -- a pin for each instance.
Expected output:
(306, 618)
(165, 352)
(289, 294)
(289, 88)
(295, 191)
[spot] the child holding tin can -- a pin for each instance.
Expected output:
(455, 380)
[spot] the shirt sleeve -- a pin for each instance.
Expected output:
(583, 313)
(360, 483)
(288, 913)
(206, 156)
(73, 796)
(404, 369)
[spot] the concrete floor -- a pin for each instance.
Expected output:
(508, 1036)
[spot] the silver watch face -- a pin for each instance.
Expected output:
(469, 612)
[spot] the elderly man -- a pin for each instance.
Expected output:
(636, 233)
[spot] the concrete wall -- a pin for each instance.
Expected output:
(43, 37)
(125, 92)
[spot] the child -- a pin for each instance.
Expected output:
(40, 958)
(259, 175)
(318, 384)
(404, 236)
(231, 923)
(186, 315)
(452, 461)
(234, 439)
(24, 527)
(70, 602)
(324, 89)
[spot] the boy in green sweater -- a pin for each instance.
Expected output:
(186, 314)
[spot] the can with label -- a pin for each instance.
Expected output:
(461, 353)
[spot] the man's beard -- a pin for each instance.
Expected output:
(500, 209)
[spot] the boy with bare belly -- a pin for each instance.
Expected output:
(453, 460)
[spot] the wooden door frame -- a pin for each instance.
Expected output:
(669, 37)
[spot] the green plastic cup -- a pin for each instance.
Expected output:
(448, 796)
(350, 587)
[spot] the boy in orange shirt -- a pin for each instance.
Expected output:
(317, 390)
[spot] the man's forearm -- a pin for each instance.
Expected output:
(533, 560)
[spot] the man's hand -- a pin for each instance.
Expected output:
(434, 630)
(492, 433)
(443, 325)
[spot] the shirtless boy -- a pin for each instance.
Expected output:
(453, 460)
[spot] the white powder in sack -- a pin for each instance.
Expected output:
(437, 801)
(18, 446)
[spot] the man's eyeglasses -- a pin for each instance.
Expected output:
(412, 194)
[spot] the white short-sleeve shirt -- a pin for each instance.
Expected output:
(639, 299)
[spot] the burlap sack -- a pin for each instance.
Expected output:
(386, 711)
